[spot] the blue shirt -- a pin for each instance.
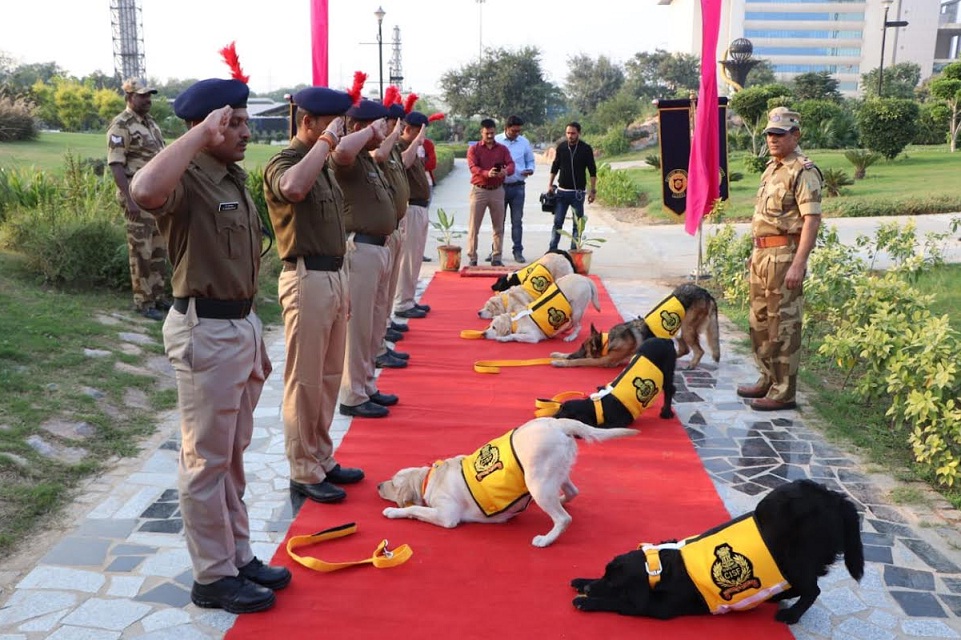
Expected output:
(521, 152)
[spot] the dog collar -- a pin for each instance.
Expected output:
(382, 558)
(430, 473)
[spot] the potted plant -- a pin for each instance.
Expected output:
(447, 251)
(584, 246)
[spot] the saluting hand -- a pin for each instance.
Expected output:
(337, 126)
(215, 124)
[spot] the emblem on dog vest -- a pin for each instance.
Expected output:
(730, 565)
(535, 279)
(495, 476)
(665, 320)
(551, 311)
(636, 387)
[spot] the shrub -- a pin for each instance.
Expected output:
(614, 142)
(834, 179)
(888, 125)
(653, 160)
(861, 159)
(755, 164)
(893, 207)
(933, 124)
(727, 256)
(616, 189)
(16, 120)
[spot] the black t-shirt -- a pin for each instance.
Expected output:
(571, 163)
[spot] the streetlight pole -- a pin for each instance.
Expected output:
(380, 13)
(480, 29)
(884, 32)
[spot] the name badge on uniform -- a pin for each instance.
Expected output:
(229, 206)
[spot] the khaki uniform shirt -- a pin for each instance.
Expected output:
(396, 176)
(213, 232)
(369, 203)
(790, 189)
(417, 176)
(313, 226)
(132, 141)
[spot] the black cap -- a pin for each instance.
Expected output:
(321, 101)
(206, 96)
(396, 111)
(416, 119)
(367, 110)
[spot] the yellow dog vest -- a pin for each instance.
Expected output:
(495, 476)
(636, 387)
(535, 279)
(665, 320)
(550, 312)
(731, 566)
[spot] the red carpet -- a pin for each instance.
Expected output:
(482, 581)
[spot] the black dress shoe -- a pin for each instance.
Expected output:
(488, 258)
(344, 475)
(399, 326)
(274, 578)
(387, 361)
(423, 307)
(427, 259)
(413, 312)
(401, 355)
(234, 594)
(366, 410)
(393, 336)
(519, 257)
(472, 263)
(384, 399)
(324, 492)
(497, 263)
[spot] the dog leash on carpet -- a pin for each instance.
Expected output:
(545, 408)
(383, 558)
(493, 366)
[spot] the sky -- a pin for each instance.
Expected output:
(182, 37)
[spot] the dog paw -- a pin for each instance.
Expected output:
(666, 414)
(581, 603)
(580, 585)
(542, 541)
(394, 513)
(787, 616)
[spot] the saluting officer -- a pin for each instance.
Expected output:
(212, 336)
(787, 214)
(414, 226)
(306, 208)
(133, 138)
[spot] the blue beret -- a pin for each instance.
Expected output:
(396, 111)
(367, 110)
(416, 119)
(201, 98)
(322, 101)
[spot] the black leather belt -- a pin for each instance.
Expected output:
(316, 263)
(367, 238)
(489, 188)
(419, 203)
(218, 309)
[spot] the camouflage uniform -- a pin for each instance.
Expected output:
(132, 141)
(790, 189)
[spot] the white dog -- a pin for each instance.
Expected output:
(513, 300)
(546, 317)
(538, 454)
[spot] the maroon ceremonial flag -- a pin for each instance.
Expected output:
(704, 165)
(319, 23)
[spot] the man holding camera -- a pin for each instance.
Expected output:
(489, 163)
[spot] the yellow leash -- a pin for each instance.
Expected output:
(493, 366)
(472, 334)
(547, 408)
(383, 558)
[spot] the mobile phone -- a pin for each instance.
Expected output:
(499, 166)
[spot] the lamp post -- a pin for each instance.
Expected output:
(884, 32)
(480, 29)
(380, 13)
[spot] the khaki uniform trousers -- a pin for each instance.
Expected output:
(414, 229)
(775, 322)
(395, 244)
(147, 255)
(480, 200)
(219, 368)
(314, 306)
(367, 274)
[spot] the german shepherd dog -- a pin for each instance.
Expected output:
(804, 527)
(558, 262)
(700, 314)
(661, 353)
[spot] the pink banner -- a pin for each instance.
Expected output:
(703, 186)
(319, 22)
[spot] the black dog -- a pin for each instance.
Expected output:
(805, 527)
(661, 352)
(505, 282)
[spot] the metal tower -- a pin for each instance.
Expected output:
(396, 69)
(126, 21)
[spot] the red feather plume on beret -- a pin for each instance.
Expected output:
(435, 116)
(391, 95)
(229, 54)
(359, 79)
(409, 103)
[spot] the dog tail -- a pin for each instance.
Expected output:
(853, 548)
(595, 301)
(577, 429)
(713, 332)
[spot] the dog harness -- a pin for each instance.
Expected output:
(730, 565)
(665, 320)
(551, 312)
(382, 558)
(535, 279)
(495, 476)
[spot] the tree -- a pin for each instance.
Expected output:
(590, 82)
(817, 85)
(619, 111)
(662, 75)
(74, 104)
(947, 87)
(20, 78)
(108, 104)
(41, 94)
(761, 74)
(504, 82)
(888, 125)
(753, 104)
(900, 81)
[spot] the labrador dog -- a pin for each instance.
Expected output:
(633, 388)
(544, 318)
(558, 262)
(803, 527)
(535, 460)
(513, 300)
(700, 315)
